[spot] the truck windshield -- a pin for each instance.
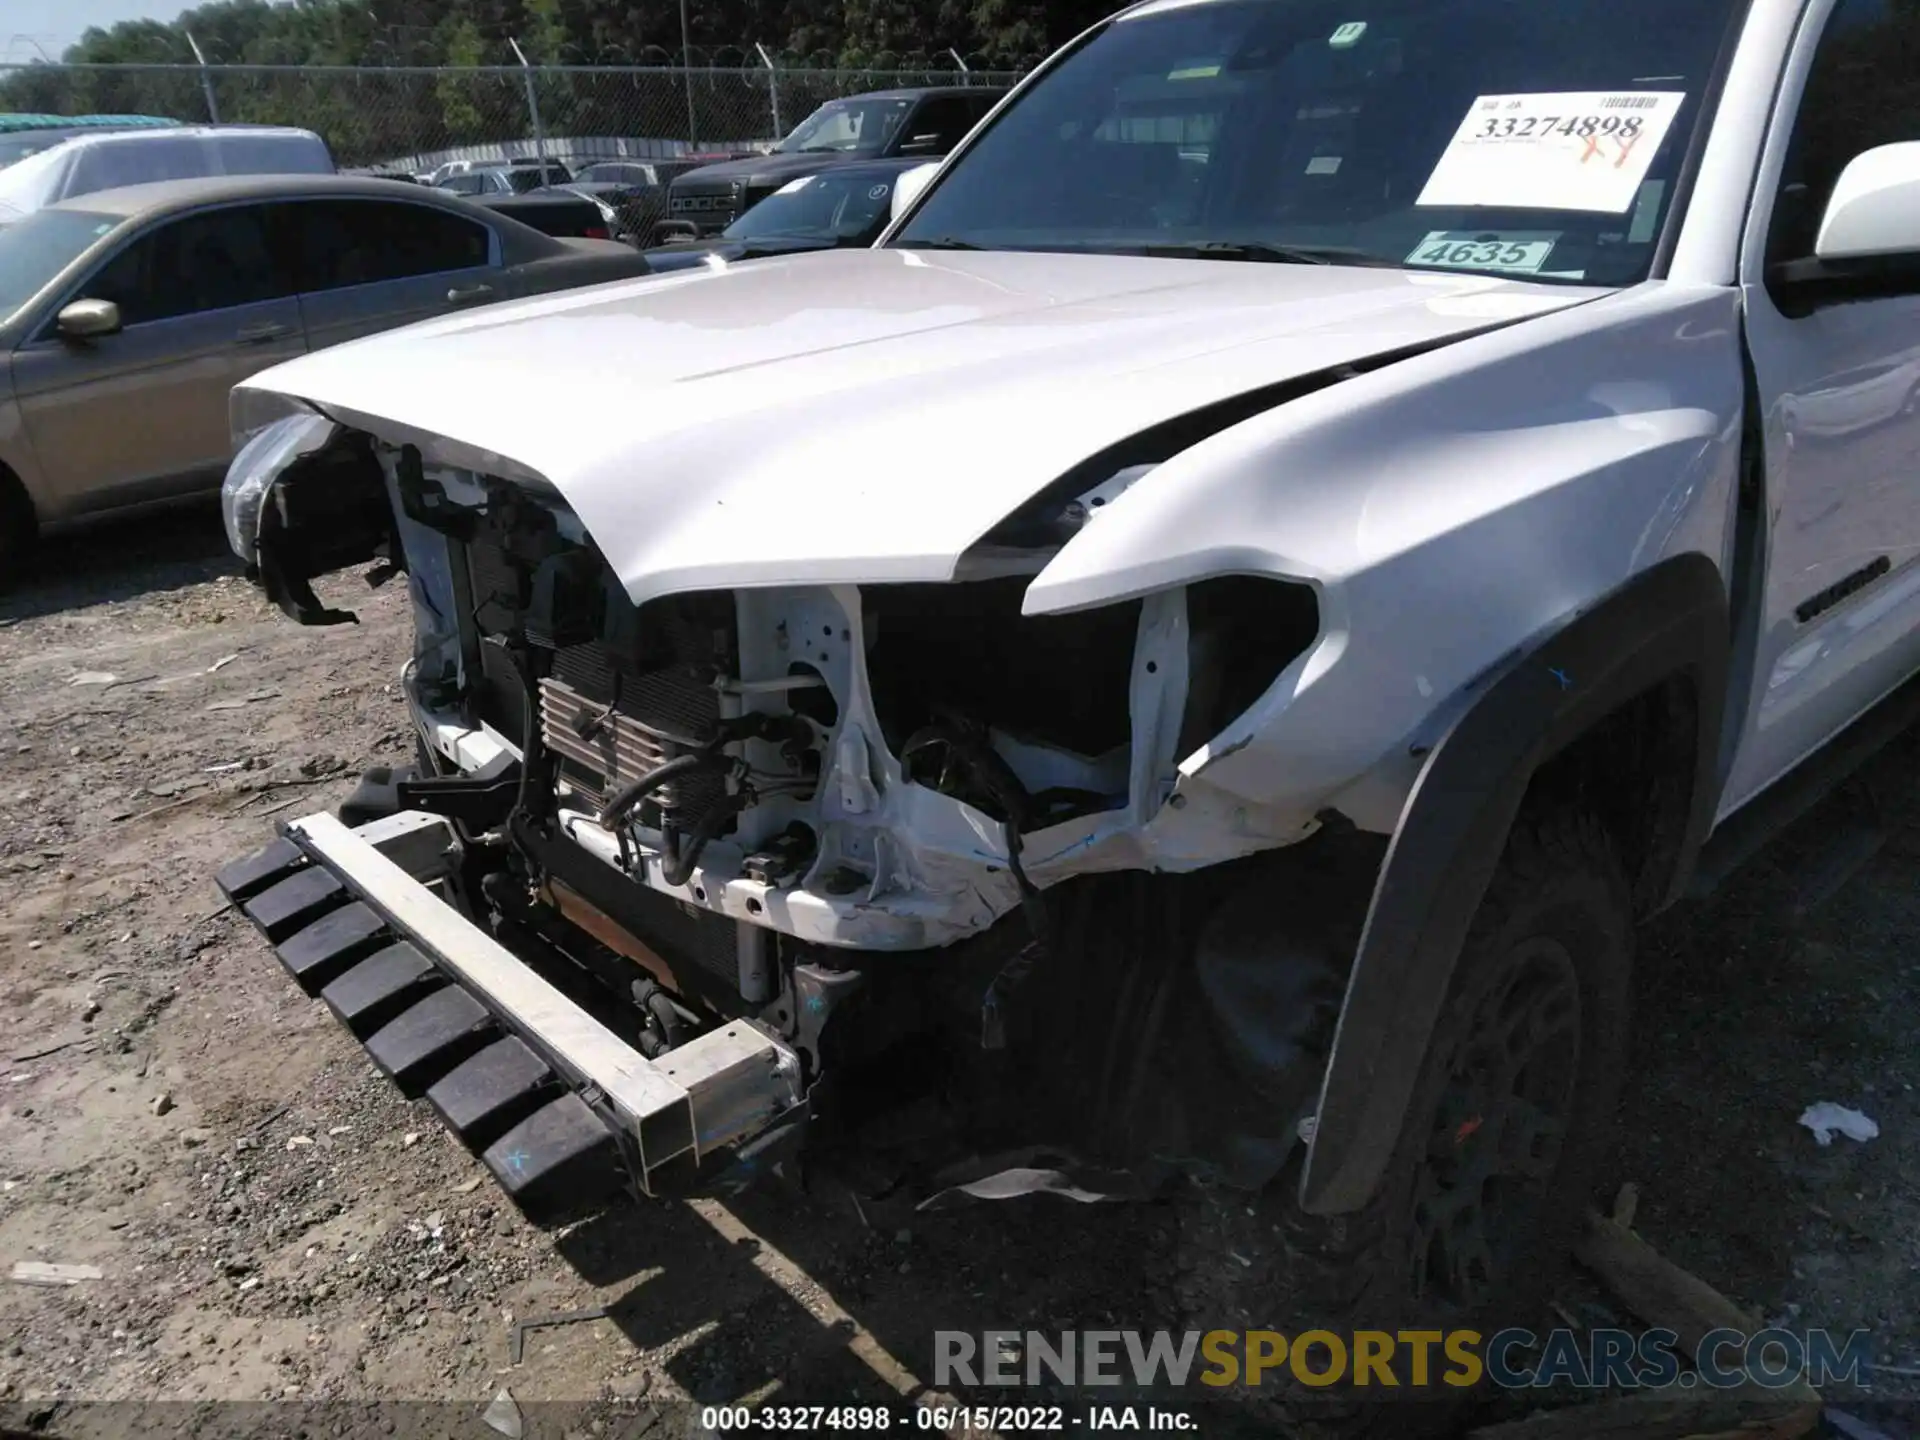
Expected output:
(1501, 136)
(847, 126)
(826, 207)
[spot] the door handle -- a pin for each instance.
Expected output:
(466, 294)
(261, 334)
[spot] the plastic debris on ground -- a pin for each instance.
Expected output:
(1827, 1119)
(37, 1272)
(503, 1415)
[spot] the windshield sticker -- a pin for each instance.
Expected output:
(1553, 152)
(1521, 252)
(794, 187)
(1324, 165)
(1348, 34)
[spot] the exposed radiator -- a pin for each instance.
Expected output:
(599, 740)
(609, 729)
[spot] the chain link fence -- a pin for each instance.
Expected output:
(411, 118)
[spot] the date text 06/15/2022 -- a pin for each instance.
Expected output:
(944, 1419)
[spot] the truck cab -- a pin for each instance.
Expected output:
(887, 124)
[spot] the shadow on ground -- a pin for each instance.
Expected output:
(1744, 1017)
(119, 560)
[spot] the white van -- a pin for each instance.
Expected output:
(87, 163)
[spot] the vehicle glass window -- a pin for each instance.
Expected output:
(1863, 91)
(829, 206)
(35, 249)
(1446, 134)
(850, 126)
(521, 181)
(945, 120)
(18, 147)
(214, 260)
(364, 242)
(981, 105)
(469, 184)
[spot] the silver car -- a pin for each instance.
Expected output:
(126, 317)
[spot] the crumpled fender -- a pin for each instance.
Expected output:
(1669, 619)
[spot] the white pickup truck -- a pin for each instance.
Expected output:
(1189, 659)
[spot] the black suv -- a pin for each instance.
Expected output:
(923, 124)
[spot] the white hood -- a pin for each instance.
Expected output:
(863, 415)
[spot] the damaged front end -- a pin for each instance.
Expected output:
(892, 869)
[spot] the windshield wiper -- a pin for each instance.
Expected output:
(1266, 252)
(942, 242)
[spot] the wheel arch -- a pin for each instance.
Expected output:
(1624, 702)
(16, 504)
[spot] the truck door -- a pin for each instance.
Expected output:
(1838, 380)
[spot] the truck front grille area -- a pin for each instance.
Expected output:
(710, 210)
(610, 727)
(613, 707)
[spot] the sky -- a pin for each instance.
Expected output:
(52, 25)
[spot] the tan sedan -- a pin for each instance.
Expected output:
(127, 316)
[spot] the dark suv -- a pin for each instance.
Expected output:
(923, 124)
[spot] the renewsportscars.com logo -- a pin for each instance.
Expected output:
(1409, 1360)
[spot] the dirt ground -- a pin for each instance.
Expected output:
(272, 1221)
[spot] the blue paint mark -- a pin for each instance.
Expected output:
(516, 1161)
(1062, 854)
(1561, 676)
(816, 1003)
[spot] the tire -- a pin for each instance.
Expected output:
(1534, 1030)
(19, 530)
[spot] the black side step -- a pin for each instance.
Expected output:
(549, 1149)
(488, 1094)
(293, 903)
(429, 1038)
(557, 1163)
(332, 945)
(244, 878)
(380, 987)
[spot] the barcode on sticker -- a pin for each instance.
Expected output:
(1630, 102)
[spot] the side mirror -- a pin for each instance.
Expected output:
(1875, 208)
(909, 186)
(89, 319)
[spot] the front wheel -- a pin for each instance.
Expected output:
(18, 529)
(1474, 1216)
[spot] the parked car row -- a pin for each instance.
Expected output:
(649, 202)
(126, 316)
(144, 272)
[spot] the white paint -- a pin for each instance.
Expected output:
(916, 398)
(793, 429)
(1875, 207)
